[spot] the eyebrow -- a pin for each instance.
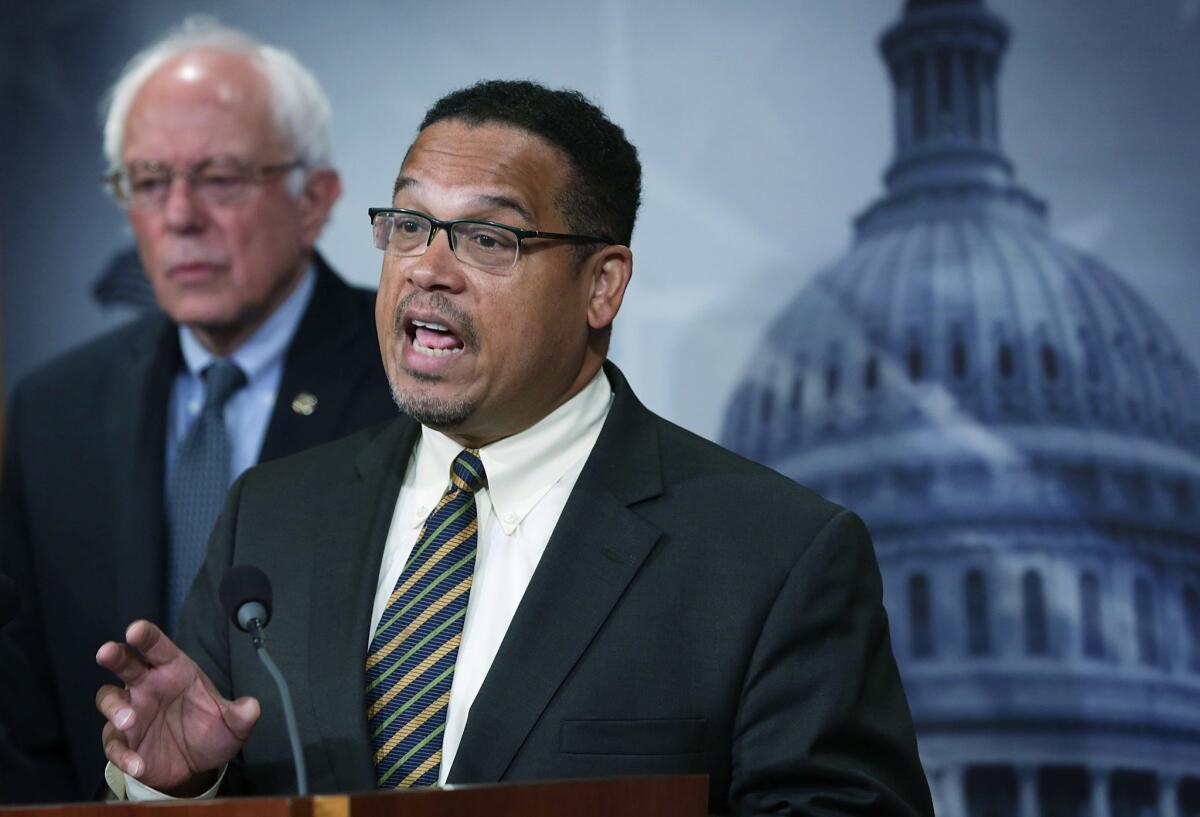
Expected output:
(506, 203)
(402, 182)
(487, 200)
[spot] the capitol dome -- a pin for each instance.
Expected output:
(1021, 431)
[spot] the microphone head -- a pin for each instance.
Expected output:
(10, 604)
(243, 586)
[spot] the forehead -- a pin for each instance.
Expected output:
(200, 103)
(455, 166)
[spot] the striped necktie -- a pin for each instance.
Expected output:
(410, 665)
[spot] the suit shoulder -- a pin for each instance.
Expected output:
(325, 461)
(332, 286)
(93, 360)
(364, 297)
(689, 458)
(358, 299)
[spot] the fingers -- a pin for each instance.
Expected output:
(121, 661)
(241, 715)
(119, 754)
(152, 642)
(114, 704)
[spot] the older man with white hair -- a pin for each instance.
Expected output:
(119, 453)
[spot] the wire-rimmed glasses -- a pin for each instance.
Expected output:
(218, 180)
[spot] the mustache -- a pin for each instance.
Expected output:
(185, 254)
(464, 327)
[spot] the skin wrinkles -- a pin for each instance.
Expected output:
(537, 336)
(525, 158)
(221, 270)
(484, 202)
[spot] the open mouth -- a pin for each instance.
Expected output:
(433, 339)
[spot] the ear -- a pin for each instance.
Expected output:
(611, 269)
(322, 188)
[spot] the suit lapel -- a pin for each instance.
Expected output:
(596, 549)
(319, 364)
(135, 417)
(355, 521)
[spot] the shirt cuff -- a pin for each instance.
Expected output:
(128, 788)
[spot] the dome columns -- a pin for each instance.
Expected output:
(1027, 791)
(949, 791)
(960, 787)
(1168, 795)
(1099, 792)
(945, 94)
(943, 63)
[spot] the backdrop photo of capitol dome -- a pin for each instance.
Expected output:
(1021, 431)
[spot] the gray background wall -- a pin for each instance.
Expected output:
(763, 127)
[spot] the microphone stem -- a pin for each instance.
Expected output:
(289, 713)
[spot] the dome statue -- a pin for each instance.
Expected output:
(1021, 432)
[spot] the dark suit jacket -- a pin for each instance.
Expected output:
(81, 511)
(693, 612)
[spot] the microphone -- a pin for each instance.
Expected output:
(246, 597)
(10, 604)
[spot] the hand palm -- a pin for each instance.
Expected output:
(168, 726)
(183, 731)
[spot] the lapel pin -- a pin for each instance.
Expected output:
(304, 403)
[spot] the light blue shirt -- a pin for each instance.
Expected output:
(248, 411)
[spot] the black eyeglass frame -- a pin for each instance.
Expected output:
(520, 233)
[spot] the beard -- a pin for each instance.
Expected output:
(437, 413)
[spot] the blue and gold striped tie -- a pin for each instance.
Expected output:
(410, 664)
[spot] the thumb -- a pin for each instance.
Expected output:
(241, 715)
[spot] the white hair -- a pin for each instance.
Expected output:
(300, 108)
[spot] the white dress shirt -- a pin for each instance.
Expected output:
(530, 476)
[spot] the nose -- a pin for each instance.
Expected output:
(437, 268)
(182, 210)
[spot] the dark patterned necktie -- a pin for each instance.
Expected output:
(197, 486)
(410, 665)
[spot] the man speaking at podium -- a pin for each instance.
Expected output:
(529, 576)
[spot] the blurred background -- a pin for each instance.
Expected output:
(990, 353)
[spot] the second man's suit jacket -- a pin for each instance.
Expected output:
(82, 520)
(692, 612)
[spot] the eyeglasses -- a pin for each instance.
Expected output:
(486, 245)
(217, 181)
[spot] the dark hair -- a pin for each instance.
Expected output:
(603, 196)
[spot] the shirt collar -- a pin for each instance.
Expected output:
(522, 468)
(268, 343)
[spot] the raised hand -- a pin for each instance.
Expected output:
(168, 727)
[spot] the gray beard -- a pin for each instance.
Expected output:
(432, 412)
(428, 411)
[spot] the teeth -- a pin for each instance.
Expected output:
(436, 326)
(425, 350)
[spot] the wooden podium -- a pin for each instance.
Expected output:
(682, 796)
